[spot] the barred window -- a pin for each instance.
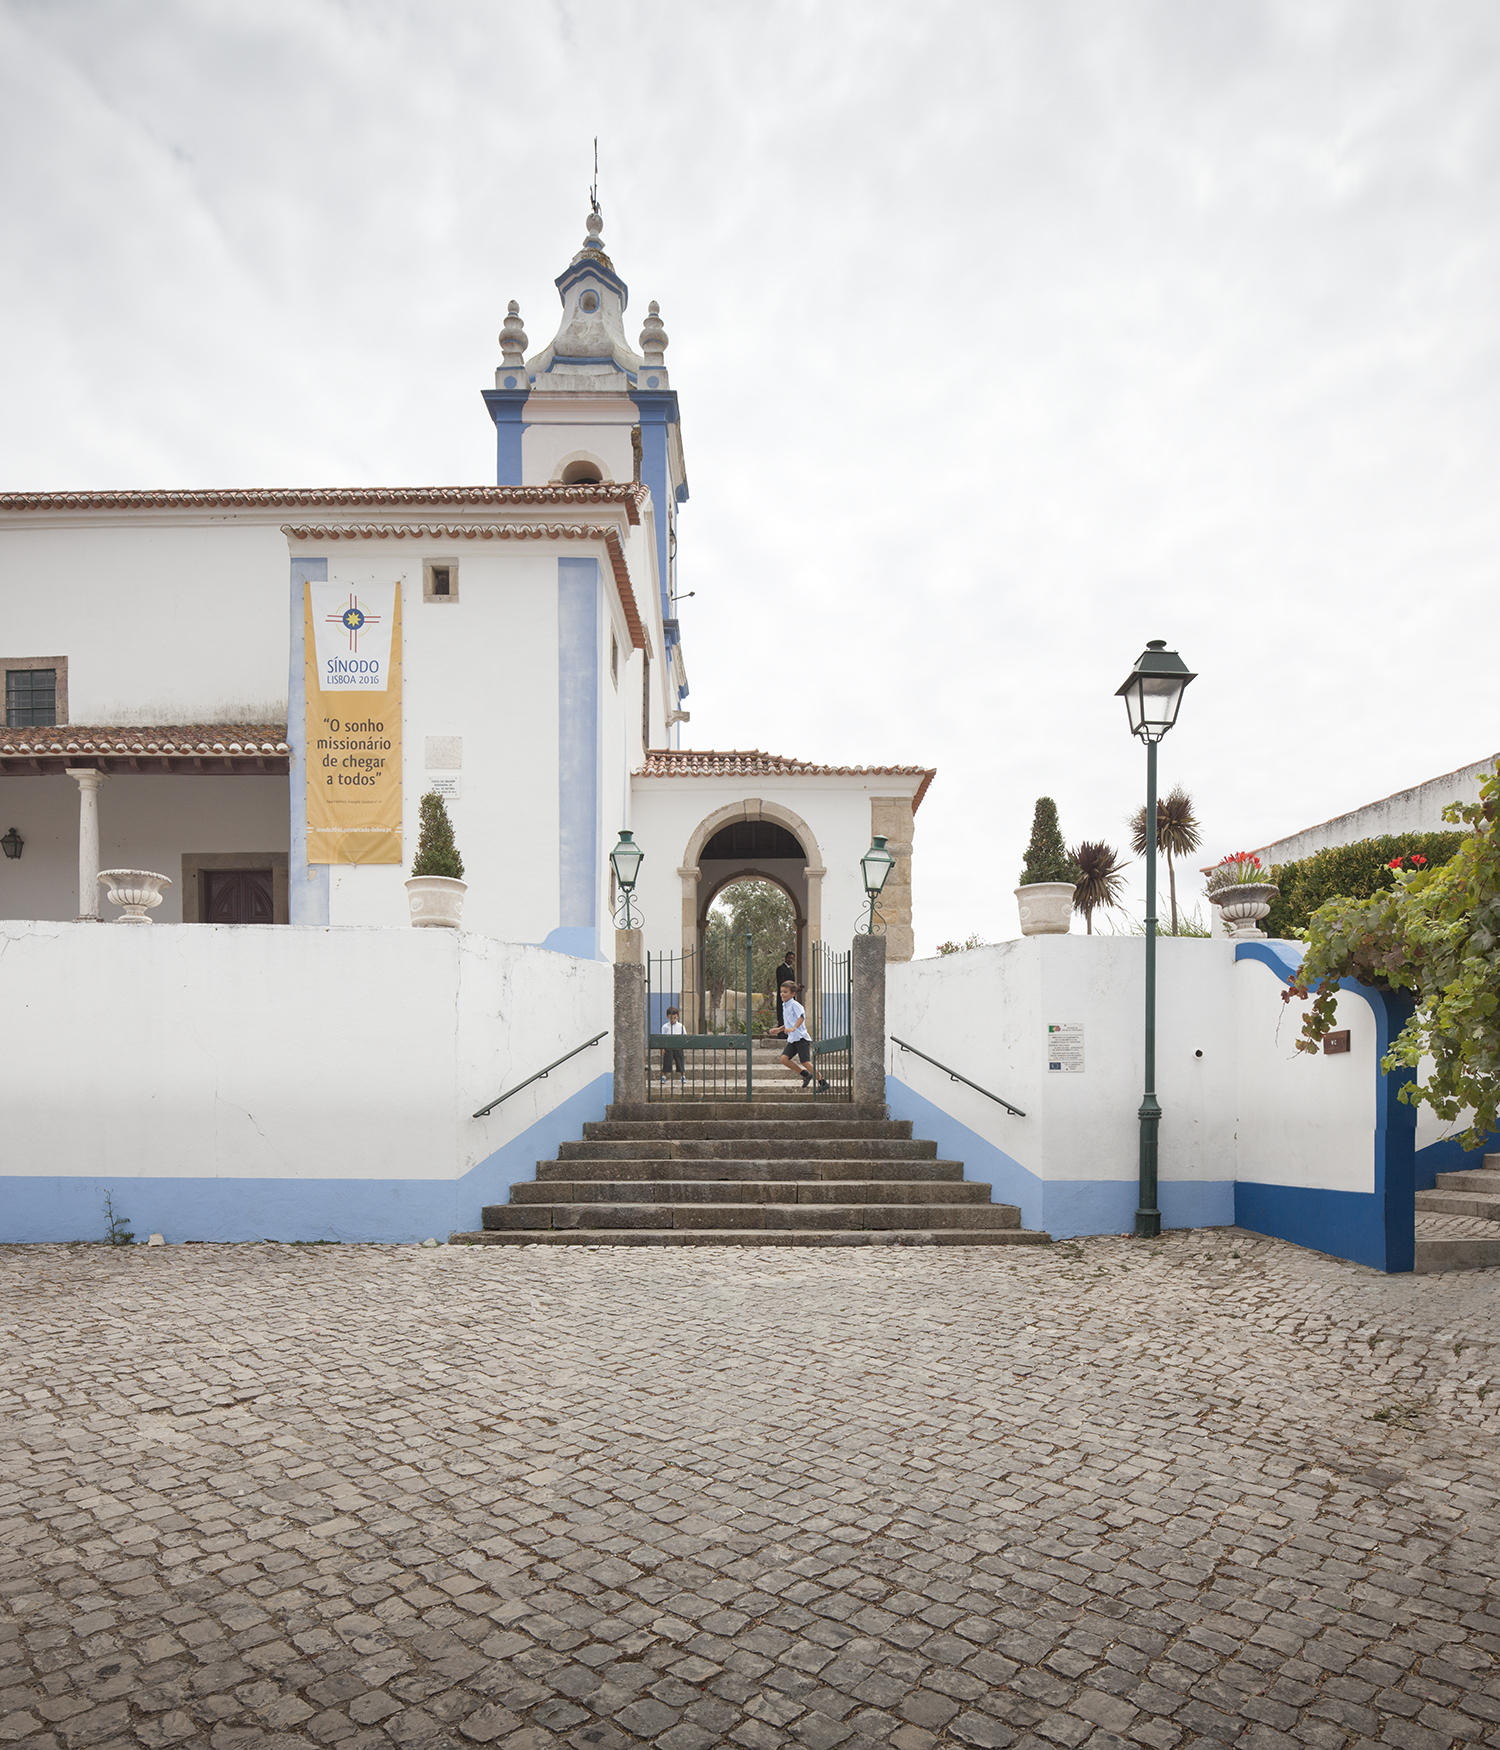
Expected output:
(30, 697)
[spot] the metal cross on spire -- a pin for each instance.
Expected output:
(594, 186)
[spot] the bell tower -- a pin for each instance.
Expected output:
(589, 408)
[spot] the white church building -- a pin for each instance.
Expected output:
(248, 691)
(157, 684)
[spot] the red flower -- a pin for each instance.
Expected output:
(1395, 863)
(1420, 861)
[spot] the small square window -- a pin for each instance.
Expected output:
(36, 691)
(440, 580)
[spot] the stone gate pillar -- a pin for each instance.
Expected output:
(630, 1016)
(869, 1019)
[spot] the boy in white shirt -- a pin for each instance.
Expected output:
(671, 1061)
(799, 1051)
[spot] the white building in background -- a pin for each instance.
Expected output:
(157, 692)
(1419, 809)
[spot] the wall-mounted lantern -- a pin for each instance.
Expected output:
(625, 860)
(875, 866)
(12, 843)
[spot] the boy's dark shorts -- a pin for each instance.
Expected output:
(800, 1049)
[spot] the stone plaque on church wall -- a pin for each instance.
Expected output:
(352, 683)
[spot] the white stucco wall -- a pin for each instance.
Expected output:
(1419, 809)
(145, 822)
(1303, 1119)
(161, 622)
(985, 1013)
(293, 1055)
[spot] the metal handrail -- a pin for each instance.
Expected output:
(541, 1075)
(954, 1076)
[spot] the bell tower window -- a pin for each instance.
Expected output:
(582, 474)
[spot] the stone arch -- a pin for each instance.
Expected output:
(809, 914)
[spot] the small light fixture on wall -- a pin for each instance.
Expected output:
(13, 843)
(625, 859)
(875, 866)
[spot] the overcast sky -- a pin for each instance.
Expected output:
(1008, 335)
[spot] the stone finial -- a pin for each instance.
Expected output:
(513, 341)
(654, 338)
(594, 225)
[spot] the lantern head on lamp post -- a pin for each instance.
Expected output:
(625, 860)
(1152, 694)
(875, 866)
(12, 843)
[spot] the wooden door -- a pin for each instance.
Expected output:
(237, 896)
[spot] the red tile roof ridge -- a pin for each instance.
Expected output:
(673, 762)
(625, 492)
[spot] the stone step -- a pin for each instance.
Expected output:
(504, 1217)
(1445, 1202)
(1473, 1179)
(754, 1236)
(748, 1121)
(801, 1111)
(742, 1146)
(1435, 1255)
(668, 1190)
(859, 1168)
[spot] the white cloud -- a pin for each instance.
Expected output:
(1007, 337)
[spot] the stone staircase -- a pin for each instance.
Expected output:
(783, 1169)
(1453, 1219)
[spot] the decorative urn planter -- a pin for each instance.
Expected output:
(436, 901)
(1046, 908)
(1242, 907)
(137, 890)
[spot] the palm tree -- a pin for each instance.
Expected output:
(1177, 833)
(1101, 876)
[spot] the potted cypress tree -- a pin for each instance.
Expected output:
(436, 889)
(1045, 895)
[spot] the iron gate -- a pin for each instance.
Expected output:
(721, 1015)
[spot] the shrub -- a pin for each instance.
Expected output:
(1047, 857)
(1435, 932)
(1357, 871)
(961, 947)
(436, 852)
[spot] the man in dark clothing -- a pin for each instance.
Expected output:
(786, 973)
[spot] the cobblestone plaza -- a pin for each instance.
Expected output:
(1207, 1489)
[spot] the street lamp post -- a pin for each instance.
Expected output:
(875, 866)
(1152, 694)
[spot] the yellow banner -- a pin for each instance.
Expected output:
(352, 667)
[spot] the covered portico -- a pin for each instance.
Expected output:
(205, 804)
(707, 818)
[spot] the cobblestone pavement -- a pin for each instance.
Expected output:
(1204, 1490)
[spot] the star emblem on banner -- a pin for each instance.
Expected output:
(354, 619)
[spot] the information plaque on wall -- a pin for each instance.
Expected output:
(1065, 1048)
(353, 690)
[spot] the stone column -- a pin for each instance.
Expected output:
(869, 1019)
(88, 782)
(630, 1017)
(814, 878)
(687, 997)
(891, 815)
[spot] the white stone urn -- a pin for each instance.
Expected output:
(436, 901)
(1242, 907)
(1046, 908)
(137, 890)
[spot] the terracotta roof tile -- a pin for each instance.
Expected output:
(213, 747)
(623, 492)
(752, 763)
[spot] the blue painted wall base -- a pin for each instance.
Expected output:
(1064, 1208)
(51, 1207)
